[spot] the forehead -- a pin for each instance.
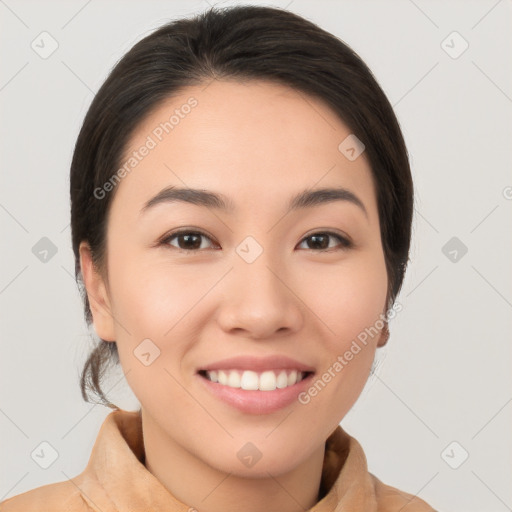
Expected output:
(253, 141)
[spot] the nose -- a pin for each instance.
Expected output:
(259, 300)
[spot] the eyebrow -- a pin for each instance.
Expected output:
(306, 199)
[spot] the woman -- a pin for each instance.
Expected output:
(241, 205)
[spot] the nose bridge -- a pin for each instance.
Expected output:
(256, 270)
(259, 277)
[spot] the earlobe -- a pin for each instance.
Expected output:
(97, 294)
(384, 335)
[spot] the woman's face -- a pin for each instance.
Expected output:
(252, 279)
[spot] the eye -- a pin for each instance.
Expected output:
(191, 241)
(188, 241)
(320, 241)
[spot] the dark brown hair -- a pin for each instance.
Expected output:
(234, 43)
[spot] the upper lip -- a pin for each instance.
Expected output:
(255, 363)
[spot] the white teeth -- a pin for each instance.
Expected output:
(282, 380)
(249, 380)
(234, 380)
(267, 381)
(292, 378)
(223, 377)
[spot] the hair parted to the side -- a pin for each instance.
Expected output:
(240, 43)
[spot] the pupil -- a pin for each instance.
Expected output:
(194, 246)
(316, 237)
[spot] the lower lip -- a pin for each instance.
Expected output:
(255, 401)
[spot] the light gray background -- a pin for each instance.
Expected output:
(446, 372)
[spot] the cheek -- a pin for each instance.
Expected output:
(153, 327)
(150, 296)
(349, 299)
(162, 303)
(141, 302)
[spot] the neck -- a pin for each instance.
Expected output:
(198, 484)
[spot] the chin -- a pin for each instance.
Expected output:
(256, 460)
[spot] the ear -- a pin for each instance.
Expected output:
(97, 294)
(384, 335)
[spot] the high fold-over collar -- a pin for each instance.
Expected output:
(117, 465)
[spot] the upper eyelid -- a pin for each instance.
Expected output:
(186, 232)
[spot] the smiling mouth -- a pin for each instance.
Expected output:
(268, 380)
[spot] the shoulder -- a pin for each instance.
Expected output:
(57, 497)
(391, 499)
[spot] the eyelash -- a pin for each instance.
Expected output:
(344, 242)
